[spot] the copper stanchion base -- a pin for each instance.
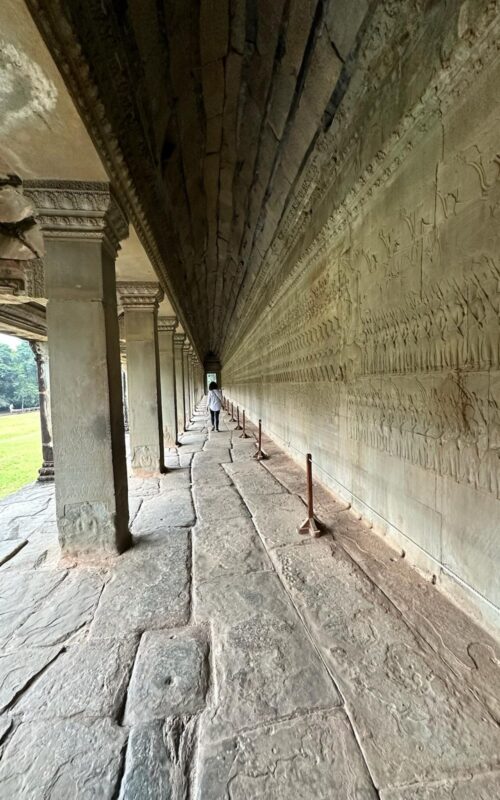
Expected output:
(310, 526)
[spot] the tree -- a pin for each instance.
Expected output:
(18, 377)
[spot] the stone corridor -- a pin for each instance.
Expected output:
(224, 657)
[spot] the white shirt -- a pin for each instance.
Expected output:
(215, 400)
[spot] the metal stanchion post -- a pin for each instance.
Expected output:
(260, 455)
(244, 434)
(238, 426)
(310, 525)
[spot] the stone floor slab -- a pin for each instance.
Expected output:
(149, 587)
(158, 761)
(218, 503)
(209, 473)
(253, 481)
(170, 676)
(17, 670)
(9, 548)
(5, 726)
(170, 509)
(21, 595)
(265, 665)
(227, 547)
(414, 720)
(277, 518)
(62, 613)
(477, 787)
(313, 756)
(89, 680)
(217, 455)
(62, 759)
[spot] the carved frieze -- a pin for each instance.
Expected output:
(78, 209)
(167, 324)
(139, 296)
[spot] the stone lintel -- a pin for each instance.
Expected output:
(78, 210)
(139, 296)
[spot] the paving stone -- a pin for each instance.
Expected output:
(277, 518)
(172, 509)
(174, 480)
(24, 513)
(212, 474)
(21, 595)
(414, 719)
(468, 650)
(158, 760)
(478, 787)
(185, 460)
(90, 680)
(147, 766)
(61, 759)
(9, 548)
(5, 726)
(312, 756)
(149, 587)
(253, 481)
(42, 551)
(218, 503)
(18, 668)
(217, 455)
(227, 547)
(143, 487)
(169, 677)
(62, 613)
(265, 665)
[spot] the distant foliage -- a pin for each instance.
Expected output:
(18, 377)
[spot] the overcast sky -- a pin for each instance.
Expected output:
(13, 341)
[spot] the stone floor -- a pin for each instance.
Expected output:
(225, 656)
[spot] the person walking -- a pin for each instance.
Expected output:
(214, 404)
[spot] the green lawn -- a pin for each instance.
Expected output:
(20, 450)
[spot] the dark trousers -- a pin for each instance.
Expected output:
(215, 418)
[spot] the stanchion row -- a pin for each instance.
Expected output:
(310, 525)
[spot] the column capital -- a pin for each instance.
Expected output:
(78, 210)
(187, 347)
(40, 350)
(179, 340)
(139, 296)
(167, 324)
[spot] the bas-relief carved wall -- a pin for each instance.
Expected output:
(383, 355)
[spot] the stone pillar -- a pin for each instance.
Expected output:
(166, 328)
(41, 353)
(125, 398)
(179, 380)
(82, 225)
(139, 302)
(186, 354)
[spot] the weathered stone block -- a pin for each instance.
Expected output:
(169, 677)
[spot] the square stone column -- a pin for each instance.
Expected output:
(41, 353)
(82, 225)
(166, 328)
(139, 302)
(179, 380)
(186, 358)
(194, 391)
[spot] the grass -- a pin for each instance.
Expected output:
(20, 450)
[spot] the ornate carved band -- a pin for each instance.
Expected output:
(22, 279)
(78, 209)
(167, 324)
(179, 340)
(139, 296)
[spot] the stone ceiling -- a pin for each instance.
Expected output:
(205, 114)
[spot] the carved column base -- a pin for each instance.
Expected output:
(46, 472)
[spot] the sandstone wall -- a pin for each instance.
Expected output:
(379, 348)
